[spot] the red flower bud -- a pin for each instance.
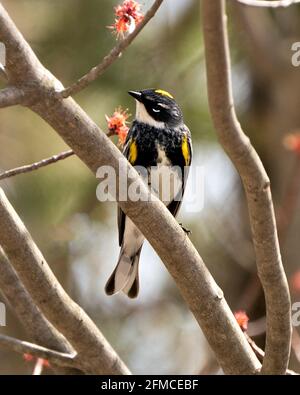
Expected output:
(242, 319)
(117, 124)
(28, 357)
(128, 16)
(292, 142)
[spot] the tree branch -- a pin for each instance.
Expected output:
(196, 284)
(31, 318)
(36, 165)
(270, 4)
(23, 347)
(94, 352)
(10, 96)
(256, 184)
(113, 55)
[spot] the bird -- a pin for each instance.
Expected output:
(160, 142)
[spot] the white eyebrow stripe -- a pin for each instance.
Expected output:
(163, 105)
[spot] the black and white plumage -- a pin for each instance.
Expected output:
(160, 142)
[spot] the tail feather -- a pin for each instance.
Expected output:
(131, 289)
(125, 276)
(120, 275)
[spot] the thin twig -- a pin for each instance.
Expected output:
(113, 55)
(258, 351)
(23, 347)
(261, 354)
(10, 96)
(42, 163)
(36, 165)
(269, 4)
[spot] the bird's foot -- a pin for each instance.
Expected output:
(186, 231)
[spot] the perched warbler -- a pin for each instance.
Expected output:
(159, 142)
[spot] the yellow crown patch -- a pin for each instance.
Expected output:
(164, 93)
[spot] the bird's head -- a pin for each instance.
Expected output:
(157, 108)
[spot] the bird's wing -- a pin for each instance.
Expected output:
(121, 215)
(186, 154)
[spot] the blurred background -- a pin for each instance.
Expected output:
(156, 334)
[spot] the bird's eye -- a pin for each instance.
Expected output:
(156, 110)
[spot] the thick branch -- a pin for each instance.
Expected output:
(94, 352)
(269, 4)
(10, 96)
(196, 284)
(31, 318)
(256, 184)
(36, 165)
(113, 55)
(23, 347)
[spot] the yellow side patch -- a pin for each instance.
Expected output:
(164, 93)
(185, 150)
(132, 152)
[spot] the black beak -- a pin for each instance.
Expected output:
(136, 95)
